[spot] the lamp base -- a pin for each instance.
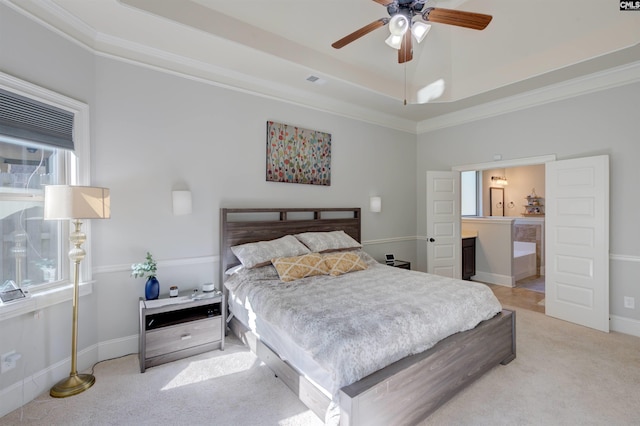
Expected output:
(72, 385)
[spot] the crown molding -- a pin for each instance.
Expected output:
(75, 30)
(595, 82)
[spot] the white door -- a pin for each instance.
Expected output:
(443, 224)
(577, 241)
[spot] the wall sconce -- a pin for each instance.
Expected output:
(375, 204)
(499, 180)
(181, 202)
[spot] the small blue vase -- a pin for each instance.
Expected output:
(152, 288)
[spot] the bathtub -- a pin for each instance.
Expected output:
(524, 260)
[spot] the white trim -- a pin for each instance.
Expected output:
(390, 240)
(161, 264)
(602, 80)
(109, 46)
(43, 298)
(503, 164)
(624, 257)
(116, 348)
(30, 387)
(491, 278)
(625, 325)
(497, 220)
(105, 45)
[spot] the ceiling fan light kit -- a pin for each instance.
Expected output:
(402, 13)
(420, 30)
(394, 41)
(398, 25)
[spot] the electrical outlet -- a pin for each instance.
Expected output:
(629, 302)
(8, 361)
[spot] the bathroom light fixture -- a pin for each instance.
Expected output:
(499, 180)
(375, 204)
(181, 202)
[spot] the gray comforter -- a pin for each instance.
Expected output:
(360, 322)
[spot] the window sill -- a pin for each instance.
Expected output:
(42, 298)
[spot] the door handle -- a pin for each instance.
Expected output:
(431, 240)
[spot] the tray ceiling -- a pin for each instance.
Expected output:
(271, 47)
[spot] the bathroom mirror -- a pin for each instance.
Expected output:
(496, 201)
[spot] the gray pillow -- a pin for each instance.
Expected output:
(322, 242)
(260, 253)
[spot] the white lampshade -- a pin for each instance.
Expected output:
(394, 41)
(181, 203)
(420, 30)
(398, 25)
(76, 202)
(375, 204)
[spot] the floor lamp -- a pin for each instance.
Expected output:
(65, 202)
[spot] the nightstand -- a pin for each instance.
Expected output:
(172, 328)
(402, 264)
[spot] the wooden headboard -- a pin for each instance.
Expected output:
(240, 226)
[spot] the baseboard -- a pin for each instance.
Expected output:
(625, 325)
(30, 387)
(118, 347)
(489, 278)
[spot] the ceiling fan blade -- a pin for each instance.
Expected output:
(361, 32)
(475, 21)
(384, 2)
(405, 54)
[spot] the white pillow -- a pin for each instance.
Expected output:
(260, 253)
(322, 242)
(234, 269)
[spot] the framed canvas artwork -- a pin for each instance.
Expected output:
(297, 155)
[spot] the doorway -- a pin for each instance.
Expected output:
(508, 189)
(576, 233)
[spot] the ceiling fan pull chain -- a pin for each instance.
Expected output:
(405, 83)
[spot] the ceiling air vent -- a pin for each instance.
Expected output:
(316, 80)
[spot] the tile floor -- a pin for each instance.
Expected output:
(528, 294)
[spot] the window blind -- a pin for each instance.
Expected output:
(28, 119)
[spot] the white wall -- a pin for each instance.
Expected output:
(153, 132)
(592, 124)
(494, 249)
(30, 52)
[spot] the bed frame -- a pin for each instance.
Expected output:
(402, 393)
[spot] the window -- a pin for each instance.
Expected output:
(469, 193)
(30, 247)
(33, 252)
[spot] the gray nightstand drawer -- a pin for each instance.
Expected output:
(175, 338)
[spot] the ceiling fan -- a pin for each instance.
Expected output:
(402, 25)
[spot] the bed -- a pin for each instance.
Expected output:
(403, 392)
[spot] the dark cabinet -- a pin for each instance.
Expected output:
(468, 258)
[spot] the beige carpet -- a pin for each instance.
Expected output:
(563, 375)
